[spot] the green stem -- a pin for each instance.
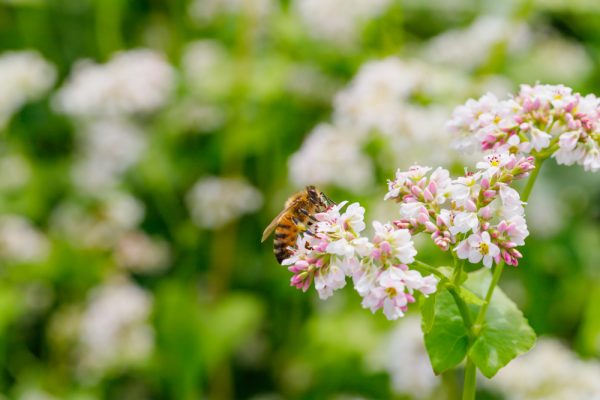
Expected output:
(470, 385)
(531, 181)
(462, 307)
(428, 268)
(488, 298)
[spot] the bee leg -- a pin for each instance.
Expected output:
(311, 217)
(299, 224)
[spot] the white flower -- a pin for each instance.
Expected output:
(331, 279)
(511, 202)
(464, 222)
(337, 21)
(493, 162)
(570, 150)
(20, 241)
(330, 156)
(591, 161)
(550, 371)
(405, 358)
(214, 202)
(396, 243)
(539, 139)
(205, 11)
(137, 252)
(107, 149)
(135, 81)
(478, 247)
(114, 328)
(353, 218)
(24, 76)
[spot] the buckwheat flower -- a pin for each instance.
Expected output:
(327, 255)
(213, 202)
(478, 247)
(471, 46)
(591, 161)
(107, 149)
(330, 156)
(137, 252)
(115, 331)
(493, 162)
(206, 11)
(404, 357)
(464, 222)
(135, 81)
(20, 241)
(392, 243)
(24, 76)
(550, 371)
(337, 21)
(539, 139)
(208, 69)
(393, 290)
(542, 120)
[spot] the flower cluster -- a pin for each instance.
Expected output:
(479, 216)
(543, 120)
(334, 250)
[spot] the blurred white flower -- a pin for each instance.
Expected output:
(134, 81)
(213, 201)
(204, 11)
(377, 95)
(33, 393)
(551, 372)
(331, 156)
(338, 21)
(24, 76)
(114, 328)
(404, 357)
(207, 68)
(108, 148)
(137, 252)
(20, 241)
(470, 47)
(102, 225)
(308, 82)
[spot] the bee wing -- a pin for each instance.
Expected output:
(271, 227)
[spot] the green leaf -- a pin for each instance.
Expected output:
(470, 297)
(428, 313)
(447, 341)
(505, 334)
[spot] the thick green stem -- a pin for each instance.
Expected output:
(531, 181)
(470, 385)
(488, 298)
(420, 265)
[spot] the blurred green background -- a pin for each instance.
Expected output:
(145, 145)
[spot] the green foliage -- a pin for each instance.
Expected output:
(505, 333)
(447, 341)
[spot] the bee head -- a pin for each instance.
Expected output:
(317, 197)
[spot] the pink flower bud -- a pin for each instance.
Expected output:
(485, 183)
(427, 195)
(470, 206)
(416, 191)
(432, 187)
(485, 212)
(430, 226)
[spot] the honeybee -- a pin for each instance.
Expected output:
(297, 216)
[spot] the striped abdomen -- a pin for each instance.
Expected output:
(286, 233)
